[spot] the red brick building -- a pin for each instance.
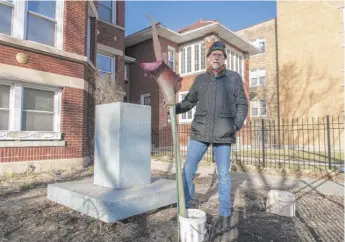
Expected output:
(50, 52)
(185, 51)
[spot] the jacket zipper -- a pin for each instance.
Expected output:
(214, 107)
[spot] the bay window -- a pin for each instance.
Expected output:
(6, 17)
(29, 108)
(192, 58)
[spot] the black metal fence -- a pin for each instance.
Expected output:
(314, 143)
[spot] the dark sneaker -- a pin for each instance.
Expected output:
(220, 225)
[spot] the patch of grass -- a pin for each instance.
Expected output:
(10, 175)
(290, 155)
(91, 169)
(26, 186)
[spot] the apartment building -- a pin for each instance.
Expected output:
(310, 58)
(263, 84)
(185, 51)
(50, 54)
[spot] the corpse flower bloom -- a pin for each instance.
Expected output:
(168, 81)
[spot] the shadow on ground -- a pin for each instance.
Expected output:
(319, 217)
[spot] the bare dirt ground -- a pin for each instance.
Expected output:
(26, 215)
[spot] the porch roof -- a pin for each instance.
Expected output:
(180, 38)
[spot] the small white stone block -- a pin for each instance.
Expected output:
(281, 202)
(122, 145)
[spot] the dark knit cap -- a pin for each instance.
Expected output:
(218, 45)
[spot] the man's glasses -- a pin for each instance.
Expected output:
(220, 56)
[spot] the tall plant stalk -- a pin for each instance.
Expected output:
(180, 192)
(169, 83)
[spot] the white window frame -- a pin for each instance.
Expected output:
(258, 103)
(20, 17)
(230, 60)
(181, 119)
(126, 71)
(12, 5)
(113, 63)
(257, 73)
(113, 11)
(257, 42)
(15, 114)
(173, 50)
(9, 106)
(142, 96)
(192, 46)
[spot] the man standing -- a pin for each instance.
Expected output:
(221, 108)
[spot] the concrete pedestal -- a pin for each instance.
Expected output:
(122, 185)
(122, 145)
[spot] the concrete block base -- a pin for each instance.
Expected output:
(110, 205)
(281, 202)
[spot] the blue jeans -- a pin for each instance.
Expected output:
(196, 150)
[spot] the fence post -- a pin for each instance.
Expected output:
(263, 142)
(329, 143)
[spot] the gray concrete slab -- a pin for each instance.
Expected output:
(110, 205)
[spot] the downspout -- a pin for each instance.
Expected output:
(277, 75)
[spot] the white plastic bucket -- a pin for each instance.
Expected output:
(193, 228)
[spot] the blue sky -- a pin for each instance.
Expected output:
(177, 14)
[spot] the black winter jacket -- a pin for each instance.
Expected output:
(221, 107)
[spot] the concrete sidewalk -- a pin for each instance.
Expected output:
(255, 179)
